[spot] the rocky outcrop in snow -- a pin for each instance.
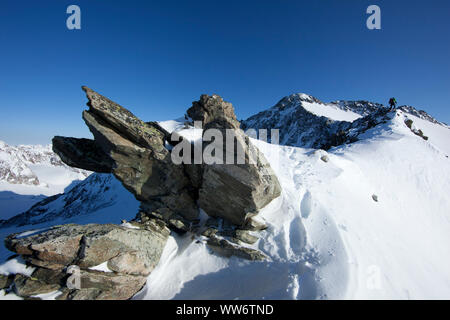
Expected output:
(139, 158)
(171, 195)
(128, 256)
(421, 114)
(137, 155)
(241, 190)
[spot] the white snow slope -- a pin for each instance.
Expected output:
(29, 173)
(327, 237)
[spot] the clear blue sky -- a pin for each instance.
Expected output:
(156, 57)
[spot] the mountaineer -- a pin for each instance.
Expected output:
(393, 103)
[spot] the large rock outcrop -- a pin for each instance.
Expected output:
(135, 151)
(234, 191)
(128, 256)
(171, 194)
(137, 155)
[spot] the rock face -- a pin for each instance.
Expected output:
(170, 195)
(130, 255)
(240, 190)
(83, 153)
(227, 249)
(90, 245)
(5, 281)
(135, 152)
(137, 155)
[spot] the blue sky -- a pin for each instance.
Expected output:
(156, 57)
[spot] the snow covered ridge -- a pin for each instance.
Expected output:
(367, 219)
(422, 115)
(29, 164)
(97, 192)
(307, 122)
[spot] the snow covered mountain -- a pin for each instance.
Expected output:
(29, 173)
(97, 192)
(307, 122)
(368, 218)
(34, 165)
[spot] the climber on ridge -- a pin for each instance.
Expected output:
(393, 103)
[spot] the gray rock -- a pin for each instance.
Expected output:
(167, 217)
(245, 236)
(209, 232)
(49, 276)
(409, 123)
(227, 225)
(136, 153)
(82, 294)
(128, 262)
(375, 197)
(227, 249)
(107, 286)
(26, 287)
(92, 244)
(212, 222)
(5, 281)
(240, 190)
(211, 109)
(254, 225)
(44, 264)
(82, 153)
(95, 285)
(179, 225)
(325, 158)
(130, 253)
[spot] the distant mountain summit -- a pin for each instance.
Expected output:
(33, 165)
(305, 121)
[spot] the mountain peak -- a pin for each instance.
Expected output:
(305, 121)
(30, 165)
(296, 98)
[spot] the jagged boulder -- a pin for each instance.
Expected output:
(5, 281)
(90, 245)
(214, 111)
(225, 248)
(137, 153)
(97, 285)
(130, 255)
(30, 286)
(83, 153)
(238, 190)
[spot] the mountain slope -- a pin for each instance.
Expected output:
(327, 237)
(28, 174)
(35, 165)
(304, 121)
